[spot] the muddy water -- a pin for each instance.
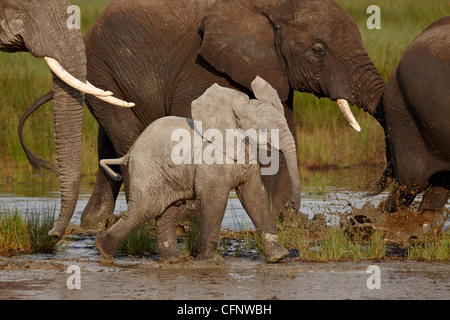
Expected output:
(330, 201)
(46, 277)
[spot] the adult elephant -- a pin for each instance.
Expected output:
(164, 54)
(416, 106)
(41, 28)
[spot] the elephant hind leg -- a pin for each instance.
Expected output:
(103, 199)
(138, 213)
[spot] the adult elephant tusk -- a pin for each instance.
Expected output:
(65, 76)
(347, 112)
(113, 100)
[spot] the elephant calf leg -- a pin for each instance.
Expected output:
(167, 240)
(213, 209)
(108, 242)
(255, 201)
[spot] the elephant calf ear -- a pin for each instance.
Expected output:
(214, 109)
(240, 42)
(263, 91)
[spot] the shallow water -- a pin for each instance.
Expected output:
(330, 201)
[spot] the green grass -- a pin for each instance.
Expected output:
(140, 242)
(432, 249)
(14, 237)
(27, 234)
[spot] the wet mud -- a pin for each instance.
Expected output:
(235, 278)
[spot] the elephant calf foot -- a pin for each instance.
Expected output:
(171, 255)
(273, 251)
(211, 259)
(107, 247)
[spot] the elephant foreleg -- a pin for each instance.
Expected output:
(213, 205)
(399, 197)
(255, 201)
(434, 198)
(103, 199)
(167, 239)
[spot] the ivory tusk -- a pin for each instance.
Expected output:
(113, 100)
(117, 102)
(65, 76)
(347, 112)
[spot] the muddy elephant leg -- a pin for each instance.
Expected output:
(432, 211)
(213, 205)
(399, 197)
(108, 241)
(167, 239)
(103, 199)
(255, 201)
(434, 198)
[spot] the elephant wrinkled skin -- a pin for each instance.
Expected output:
(416, 107)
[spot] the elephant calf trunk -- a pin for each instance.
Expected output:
(114, 175)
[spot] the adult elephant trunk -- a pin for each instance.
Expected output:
(54, 39)
(68, 116)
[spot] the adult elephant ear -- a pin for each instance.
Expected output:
(239, 41)
(213, 115)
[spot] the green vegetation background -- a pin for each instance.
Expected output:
(325, 139)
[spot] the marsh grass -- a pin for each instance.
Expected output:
(432, 249)
(192, 240)
(14, 236)
(27, 234)
(141, 242)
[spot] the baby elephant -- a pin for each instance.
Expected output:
(178, 159)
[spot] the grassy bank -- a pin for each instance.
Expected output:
(325, 140)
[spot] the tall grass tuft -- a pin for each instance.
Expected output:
(14, 236)
(27, 234)
(38, 225)
(193, 238)
(432, 249)
(141, 242)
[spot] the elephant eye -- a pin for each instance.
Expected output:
(318, 50)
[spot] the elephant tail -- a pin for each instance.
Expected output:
(36, 162)
(121, 161)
